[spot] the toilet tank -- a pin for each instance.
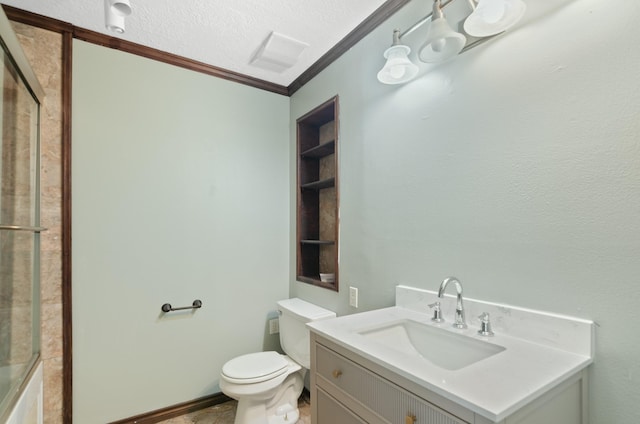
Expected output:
(294, 334)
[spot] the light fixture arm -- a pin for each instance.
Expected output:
(423, 21)
(473, 4)
(396, 37)
(486, 20)
(437, 11)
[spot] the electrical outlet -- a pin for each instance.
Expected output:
(274, 326)
(353, 297)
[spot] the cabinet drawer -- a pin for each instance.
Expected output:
(383, 398)
(332, 411)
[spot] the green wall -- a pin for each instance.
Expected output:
(180, 192)
(515, 167)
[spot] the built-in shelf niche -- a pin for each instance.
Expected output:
(317, 199)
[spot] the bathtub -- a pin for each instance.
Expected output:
(28, 408)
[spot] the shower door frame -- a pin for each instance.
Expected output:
(13, 50)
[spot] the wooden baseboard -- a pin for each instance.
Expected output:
(176, 410)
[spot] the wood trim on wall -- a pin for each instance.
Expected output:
(39, 21)
(172, 59)
(383, 13)
(176, 410)
(67, 333)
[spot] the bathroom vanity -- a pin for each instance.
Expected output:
(395, 365)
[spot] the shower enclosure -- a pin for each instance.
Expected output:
(19, 223)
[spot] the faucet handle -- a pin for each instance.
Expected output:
(437, 312)
(485, 325)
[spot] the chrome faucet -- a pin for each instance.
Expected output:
(459, 321)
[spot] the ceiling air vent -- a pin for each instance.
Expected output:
(278, 53)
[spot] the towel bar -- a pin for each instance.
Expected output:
(22, 228)
(168, 308)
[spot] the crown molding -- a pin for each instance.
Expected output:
(385, 11)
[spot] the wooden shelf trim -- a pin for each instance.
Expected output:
(321, 242)
(319, 185)
(316, 282)
(325, 149)
(317, 194)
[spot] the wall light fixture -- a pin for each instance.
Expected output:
(443, 43)
(398, 69)
(487, 18)
(114, 13)
(492, 17)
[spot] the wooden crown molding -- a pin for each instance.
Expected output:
(173, 59)
(39, 21)
(385, 11)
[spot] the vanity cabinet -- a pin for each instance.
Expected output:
(317, 195)
(348, 388)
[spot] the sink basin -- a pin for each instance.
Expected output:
(443, 348)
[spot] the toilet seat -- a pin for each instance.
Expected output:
(255, 367)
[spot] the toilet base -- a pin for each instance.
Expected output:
(290, 417)
(279, 406)
(257, 414)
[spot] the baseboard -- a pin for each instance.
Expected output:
(176, 410)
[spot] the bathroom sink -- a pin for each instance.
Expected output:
(441, 347)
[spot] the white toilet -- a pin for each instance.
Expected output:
(267, 385)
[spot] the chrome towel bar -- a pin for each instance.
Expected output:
(168, 308)
(22, 228)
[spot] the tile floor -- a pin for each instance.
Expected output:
(225, 413)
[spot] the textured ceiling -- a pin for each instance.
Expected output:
(222, 33)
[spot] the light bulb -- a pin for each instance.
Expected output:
(438, 45)
(397, 71)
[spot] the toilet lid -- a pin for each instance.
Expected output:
(255, 367)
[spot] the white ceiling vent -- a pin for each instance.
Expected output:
(278, 52)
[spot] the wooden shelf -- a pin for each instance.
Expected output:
(317, 208)
(316, 282)
(319, 185)
(319, 242)
(320, 151)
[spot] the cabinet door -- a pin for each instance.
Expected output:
(373, 395)
(330, 411)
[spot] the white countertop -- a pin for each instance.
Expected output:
(495, 387)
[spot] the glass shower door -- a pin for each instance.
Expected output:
(19, 230)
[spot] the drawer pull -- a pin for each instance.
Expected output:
(410, 419)
(336, 373)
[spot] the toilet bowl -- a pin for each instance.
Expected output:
(267, 385)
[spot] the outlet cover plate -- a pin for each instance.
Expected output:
(353, 297)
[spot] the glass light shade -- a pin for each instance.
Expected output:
(492, 17)
(443, 43)
(398, 69)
